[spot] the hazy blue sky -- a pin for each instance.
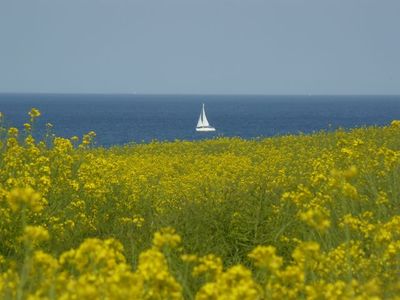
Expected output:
(200, 46)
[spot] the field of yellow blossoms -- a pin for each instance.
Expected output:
(292, 217)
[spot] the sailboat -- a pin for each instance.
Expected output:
(202, 124)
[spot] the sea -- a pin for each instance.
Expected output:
(126, 119)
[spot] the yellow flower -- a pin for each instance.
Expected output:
(236, 284)
(166, 237)
(395, 123)
(351, 172)
(349, 190)
(94, 254)
(27, 126)
(382, 198)
(74, 139)
(45, 261)
(306, 253)
(153, 277)
(265, 257)
(189, 258)
(292, 278)
(19, 198)
(35, 234)
(209, 264)
(12, 131)
(34, 113)
(347, 151)
(138, 221)
(317, 217)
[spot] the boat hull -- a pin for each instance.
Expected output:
(205, 129)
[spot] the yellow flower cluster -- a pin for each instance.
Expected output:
(34, 113)
(20, 198)
(35, 234)
(291, 217)
(265, 257)
(166, 237)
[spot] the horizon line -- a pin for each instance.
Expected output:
(192, 94)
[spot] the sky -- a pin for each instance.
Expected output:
(200, 46)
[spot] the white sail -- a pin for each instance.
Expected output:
(200, 122)
(205, 121)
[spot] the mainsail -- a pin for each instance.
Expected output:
(205, 121)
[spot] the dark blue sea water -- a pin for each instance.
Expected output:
(120, 119)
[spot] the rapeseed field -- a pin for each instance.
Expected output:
(292, 217)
